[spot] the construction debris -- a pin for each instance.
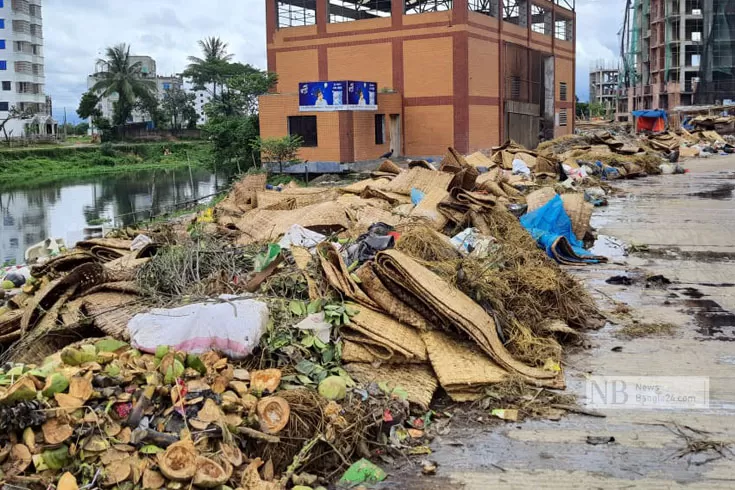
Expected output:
(292, 333)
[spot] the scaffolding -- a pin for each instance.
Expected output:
(716, 77)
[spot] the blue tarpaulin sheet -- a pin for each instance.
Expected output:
(551, 227)
(651, 113)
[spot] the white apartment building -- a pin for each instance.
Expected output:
(22, 69)
(148, 71)
(202, 98)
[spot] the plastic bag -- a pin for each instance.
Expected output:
(315, 323)
(232, 327)
(520, 167)
(139, 242)
(301, 237)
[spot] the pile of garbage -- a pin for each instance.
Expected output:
(339, 317)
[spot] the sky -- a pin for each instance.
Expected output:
(76, 33)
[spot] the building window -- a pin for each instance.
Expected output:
(563, 29)
(2, 43)
(349, 10)
(2, 23)
(292, 13)
(424, 6)
(563, 91)
(487, 7)
(540, 20)
(7, 86)
(516, 12)
(166, 86)
(4, 107)
(3, 65)
(379, 129)
(304, 126)
(563, 117)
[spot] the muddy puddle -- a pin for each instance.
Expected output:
(712, 320)
(721, 192)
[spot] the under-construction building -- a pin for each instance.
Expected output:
(677, 52)
(604, 83)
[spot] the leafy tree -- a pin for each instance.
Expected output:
(88, 106)
(231, 139)
(14, 113)
(278, 150)
(239, 95)
(178, 105)
(191, 116)
(81, 129)
(212, 67)
(151, 110)
(125, 79)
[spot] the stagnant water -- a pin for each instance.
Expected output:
(64, 209)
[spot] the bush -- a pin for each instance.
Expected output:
(104, 161)
(107, 150)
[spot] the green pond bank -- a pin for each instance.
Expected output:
(24, 167)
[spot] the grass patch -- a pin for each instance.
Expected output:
(638, 330)
(31, 167)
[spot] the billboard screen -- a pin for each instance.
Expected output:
(322, 96)
(362, 96)
(338, 96)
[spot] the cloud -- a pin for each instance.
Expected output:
(598, 24)
(78, 31)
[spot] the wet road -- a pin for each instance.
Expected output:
(684, 226)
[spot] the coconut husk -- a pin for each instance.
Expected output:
(339, 277)
(460, 366)
(371, 284)
(418, 381)
(389, 167)
(455, 309)
(385, 333)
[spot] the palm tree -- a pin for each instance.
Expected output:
(125, 79)
(209, 69)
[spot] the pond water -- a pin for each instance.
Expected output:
(63, 209)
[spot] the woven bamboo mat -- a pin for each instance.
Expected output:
(421, 179)
(384, 330)
(388, 302)
(460, 366)
(457, 310)
(419, 381)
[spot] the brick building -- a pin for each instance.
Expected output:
(462, 73)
